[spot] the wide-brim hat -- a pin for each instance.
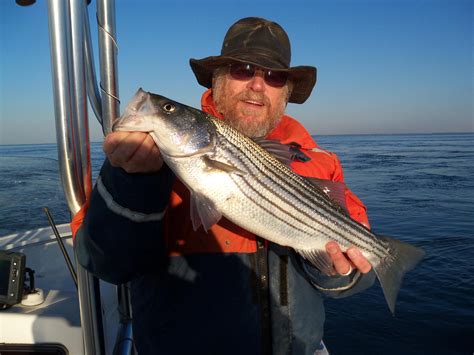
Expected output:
(263, 43)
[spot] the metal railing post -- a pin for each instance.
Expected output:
(108, 63)
(61, 62)
(66, 28)
(73, 80)
(108, 49)
(80, 123)
(91, 79)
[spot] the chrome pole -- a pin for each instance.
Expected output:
(108, 63)
(59, 31)
(92, 88)
(88, 286)
(80, 123)
(108, 50)
(91, 314)
(67, 59)
(70, 50)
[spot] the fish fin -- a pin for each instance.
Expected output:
(401, 258)
(216, 164)
(203, 212)
(335, 190)
(285, 153)
(279, 151)
(320, 259)
(298, 154)
(194, 211)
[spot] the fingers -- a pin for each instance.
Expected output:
(341, 263)
(133, 151)
(358, 260)
(345, 264)
(112, 140)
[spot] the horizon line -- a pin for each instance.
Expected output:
(312, 135)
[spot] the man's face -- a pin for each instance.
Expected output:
(253, 107)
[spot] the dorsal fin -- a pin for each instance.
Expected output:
(285, 153)
(336, 191)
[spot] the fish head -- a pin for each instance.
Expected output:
(178, 130)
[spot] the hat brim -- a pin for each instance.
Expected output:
(302, 77)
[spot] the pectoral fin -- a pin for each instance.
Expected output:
(218, 165)
(203, 212)
(320, 259)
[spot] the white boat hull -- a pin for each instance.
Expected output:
(57, 319)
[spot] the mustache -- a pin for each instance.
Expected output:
(253, 96)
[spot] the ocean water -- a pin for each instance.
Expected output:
(418, 188)
(29, 181)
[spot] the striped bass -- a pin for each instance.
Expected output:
(229, 175)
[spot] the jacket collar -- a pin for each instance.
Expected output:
(287, 131)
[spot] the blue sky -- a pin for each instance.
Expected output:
(384, 66)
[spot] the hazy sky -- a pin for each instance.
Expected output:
(384, 66)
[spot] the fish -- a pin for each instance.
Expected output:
(231, 175)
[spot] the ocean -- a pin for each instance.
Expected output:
(418, 188)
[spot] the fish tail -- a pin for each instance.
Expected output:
(402, 258)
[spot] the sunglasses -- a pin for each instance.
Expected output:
(245, 72)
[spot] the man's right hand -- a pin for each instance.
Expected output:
(135, 152)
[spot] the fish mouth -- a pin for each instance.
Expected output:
(131, 128)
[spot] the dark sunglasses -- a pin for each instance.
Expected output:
(245, 72)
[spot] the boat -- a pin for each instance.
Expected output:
(48, 303)
(48, 319)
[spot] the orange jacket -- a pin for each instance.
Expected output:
(226, 237)
(244, 300)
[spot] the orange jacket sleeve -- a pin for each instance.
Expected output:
(356, 208)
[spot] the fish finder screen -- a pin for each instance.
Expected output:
(4, 276)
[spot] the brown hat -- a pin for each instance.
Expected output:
(263, 43)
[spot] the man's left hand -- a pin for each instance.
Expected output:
(344, 263)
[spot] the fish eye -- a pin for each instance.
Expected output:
(169, 107)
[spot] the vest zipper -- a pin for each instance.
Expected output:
(263, 295)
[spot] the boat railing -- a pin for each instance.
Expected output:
(74, 80)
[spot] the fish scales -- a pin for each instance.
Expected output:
(283, 205)
(258, 161)
(272, 164)
(230, 175)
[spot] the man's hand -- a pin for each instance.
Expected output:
(344, 263)
(135, 152)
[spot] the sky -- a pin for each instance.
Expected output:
(384, 66)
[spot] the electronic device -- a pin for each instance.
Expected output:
(12, 274)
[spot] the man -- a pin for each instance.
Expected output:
(226, 291)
